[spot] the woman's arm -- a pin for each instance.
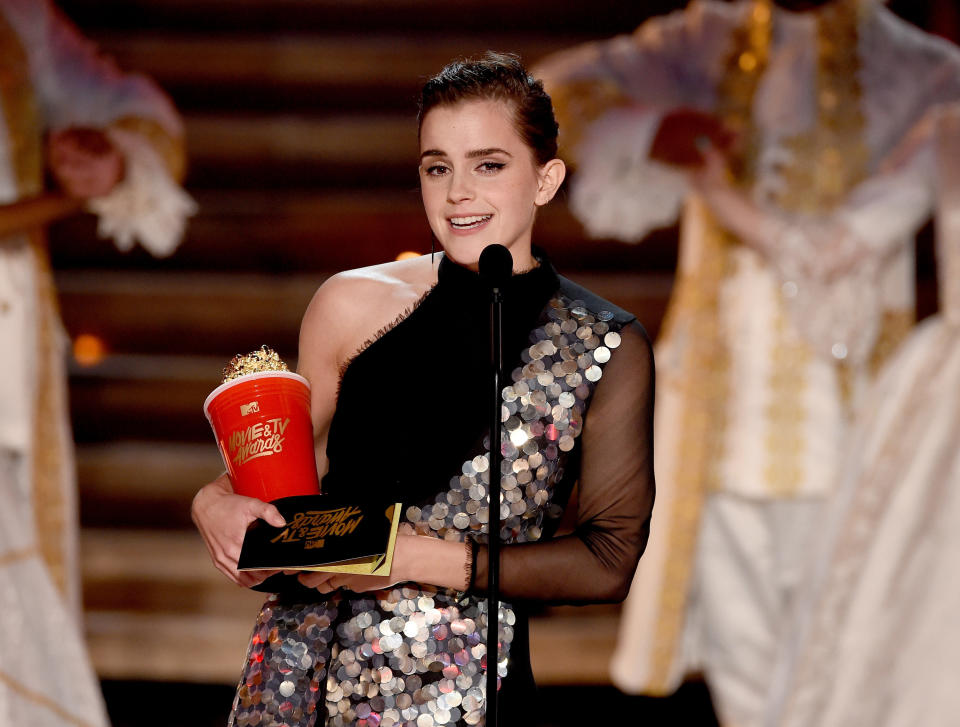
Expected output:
(596, 562)
(344, 312)
(616, 487)
(322, 352)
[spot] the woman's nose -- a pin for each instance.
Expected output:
(461, 187)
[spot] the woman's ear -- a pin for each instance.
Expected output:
(551, 176)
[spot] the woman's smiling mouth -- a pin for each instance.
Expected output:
(468, 223)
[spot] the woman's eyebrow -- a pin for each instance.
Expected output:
(486, 152)
(476, 153)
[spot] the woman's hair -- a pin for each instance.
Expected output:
(498, 77)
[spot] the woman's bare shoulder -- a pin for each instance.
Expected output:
(353, 305)
(392, 276)
(368, 289)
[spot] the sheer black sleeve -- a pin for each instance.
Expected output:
(596, 562)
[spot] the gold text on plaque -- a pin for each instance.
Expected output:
(259, 440)
(314, 525)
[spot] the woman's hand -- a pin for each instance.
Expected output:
(84, 162)
(399, 572)
(714, 173)
(329, 582)
(684, 135)
(416, 558)
(731, 208)
(222, 518)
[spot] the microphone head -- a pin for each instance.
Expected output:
(495, 265)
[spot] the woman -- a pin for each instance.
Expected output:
(396, 355)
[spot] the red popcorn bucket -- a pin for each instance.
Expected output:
(264, 433)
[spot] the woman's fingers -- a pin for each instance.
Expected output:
(323, 582)
(714, 169)
(362, 584)
(222, 519)
(247, 580)
(255, 577)
(269, 513)
(327, 582)
(231, 573)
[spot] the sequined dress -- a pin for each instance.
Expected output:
(409, 425)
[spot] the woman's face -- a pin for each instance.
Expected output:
(479, 181)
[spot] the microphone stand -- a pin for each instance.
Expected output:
(493, 521)
(495, 267)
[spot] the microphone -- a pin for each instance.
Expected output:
(495, 265)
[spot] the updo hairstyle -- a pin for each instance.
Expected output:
(498, 77)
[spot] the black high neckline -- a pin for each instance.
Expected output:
(532, 286)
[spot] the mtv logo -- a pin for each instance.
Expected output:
(253, 406)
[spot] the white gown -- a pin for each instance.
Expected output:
(877, 641)
(52, 78)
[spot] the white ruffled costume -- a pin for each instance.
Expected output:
(876, 640)
(51, 78)
(759, 364)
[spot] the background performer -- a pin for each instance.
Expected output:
(769, 125)
(115, 141)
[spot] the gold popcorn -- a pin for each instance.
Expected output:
(263, 359)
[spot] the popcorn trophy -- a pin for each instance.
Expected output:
(260, 416)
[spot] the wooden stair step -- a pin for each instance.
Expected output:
(143, 397)
(250, 150)
(122, 554)
(360, 139)
(156, 609)
(202, 648)
(286, 73)
(212, 314)
(371, 61)
(143, 484)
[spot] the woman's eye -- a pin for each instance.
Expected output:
(491, 167)
(436, 170)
